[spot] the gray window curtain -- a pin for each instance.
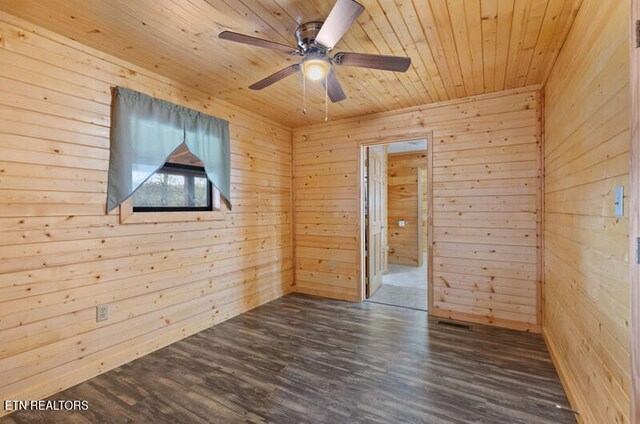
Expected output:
(144, 133)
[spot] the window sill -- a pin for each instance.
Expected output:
(127, 216)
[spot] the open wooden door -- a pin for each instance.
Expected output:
(376, 216)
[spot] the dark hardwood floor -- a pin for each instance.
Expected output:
(301, 359)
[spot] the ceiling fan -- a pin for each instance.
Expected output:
(315, 42)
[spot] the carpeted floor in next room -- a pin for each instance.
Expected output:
(403, 285)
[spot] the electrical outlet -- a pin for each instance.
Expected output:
(102, 313)
(332, 264)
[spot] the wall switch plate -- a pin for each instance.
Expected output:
(102, 313)
(332, 264)
(619, 201)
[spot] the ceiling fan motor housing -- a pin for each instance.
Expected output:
(306, 34)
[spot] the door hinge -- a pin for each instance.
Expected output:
(638, 250)
(638, 34)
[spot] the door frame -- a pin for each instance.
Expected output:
(421, 195)
(428, 136)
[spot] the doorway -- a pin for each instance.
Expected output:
(396, 223)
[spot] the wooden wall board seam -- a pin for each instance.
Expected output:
(540, 210)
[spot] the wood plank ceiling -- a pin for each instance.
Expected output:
(458, 47)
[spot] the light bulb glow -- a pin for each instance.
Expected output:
(316, 69)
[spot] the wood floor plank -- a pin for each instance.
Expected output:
(306, 359)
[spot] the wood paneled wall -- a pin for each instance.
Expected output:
(486, 200)
(634, 215)
(60, 255)
(586, 247)
(402, 192)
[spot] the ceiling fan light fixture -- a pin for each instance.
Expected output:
(315, 69)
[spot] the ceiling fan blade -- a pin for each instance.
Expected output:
(343, 14)
(373, 61)
(247, 39)
(281, 74)
(334, 90)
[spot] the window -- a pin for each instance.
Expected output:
(145, 134)
(175, 188)
(178, 192)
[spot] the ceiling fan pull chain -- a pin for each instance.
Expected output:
(304, 94)
(326, 99)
